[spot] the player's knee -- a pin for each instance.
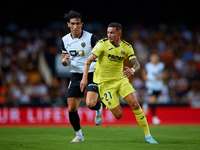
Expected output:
(90, 104)
(71, 109)
(118, 116)
(135, 105)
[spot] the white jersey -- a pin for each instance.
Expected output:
(154, 71)
(79, 50)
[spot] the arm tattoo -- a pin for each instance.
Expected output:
(87, 64)
(135, 63)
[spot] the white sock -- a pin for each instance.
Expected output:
(147, 135)
(79, 133)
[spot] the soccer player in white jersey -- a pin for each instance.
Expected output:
(76, 47)
(154, 75)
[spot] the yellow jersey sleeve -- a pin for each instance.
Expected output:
(130, 53)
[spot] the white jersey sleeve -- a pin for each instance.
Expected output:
(62, 47)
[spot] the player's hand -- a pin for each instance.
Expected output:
(67, 56)
(127, 72)
(83, 84)
(65, 60)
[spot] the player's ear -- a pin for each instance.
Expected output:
(68, 24)
(120, 33)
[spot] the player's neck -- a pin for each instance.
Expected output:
(155, 63)
(116, 43)
(76, 35)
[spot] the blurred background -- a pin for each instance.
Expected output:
(31, 73)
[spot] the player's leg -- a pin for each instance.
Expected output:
(117, 112)
(92, 100)
(140, 116)
(92, 94)
(153, 100)
(73, 103)
(145, 105)
(127, 93)
(73, 100)
(153, 103)
(109, 96)
(93, 103)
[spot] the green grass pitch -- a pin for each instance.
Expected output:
(100, 138)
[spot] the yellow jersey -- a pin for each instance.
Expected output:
(109, 65)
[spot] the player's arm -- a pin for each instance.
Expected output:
(164, 75)
(130, 71)
(88, 62)
(136, 65)
(65, 55)
(65, 59)
(144, 75)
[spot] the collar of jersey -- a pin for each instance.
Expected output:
(77, 38)
(117, 45)
(116, 50)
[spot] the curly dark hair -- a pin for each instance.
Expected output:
(72, 14)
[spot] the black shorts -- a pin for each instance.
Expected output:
(74, 85)
(152, 92)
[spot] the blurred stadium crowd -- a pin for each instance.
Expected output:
(22, 84)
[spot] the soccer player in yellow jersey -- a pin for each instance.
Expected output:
(110, 77)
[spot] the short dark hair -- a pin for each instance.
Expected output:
(72, 14)
(117, 25)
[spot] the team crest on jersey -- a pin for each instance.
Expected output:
(123, 53)
(109, 103)
(83, 44)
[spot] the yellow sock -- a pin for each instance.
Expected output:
(142, 121)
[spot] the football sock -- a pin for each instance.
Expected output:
(153, 106)
(97, 106)
(74, 120)
(142, 121)
(147, 135)
(79, 133)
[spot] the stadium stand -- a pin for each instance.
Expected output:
(22, 83)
